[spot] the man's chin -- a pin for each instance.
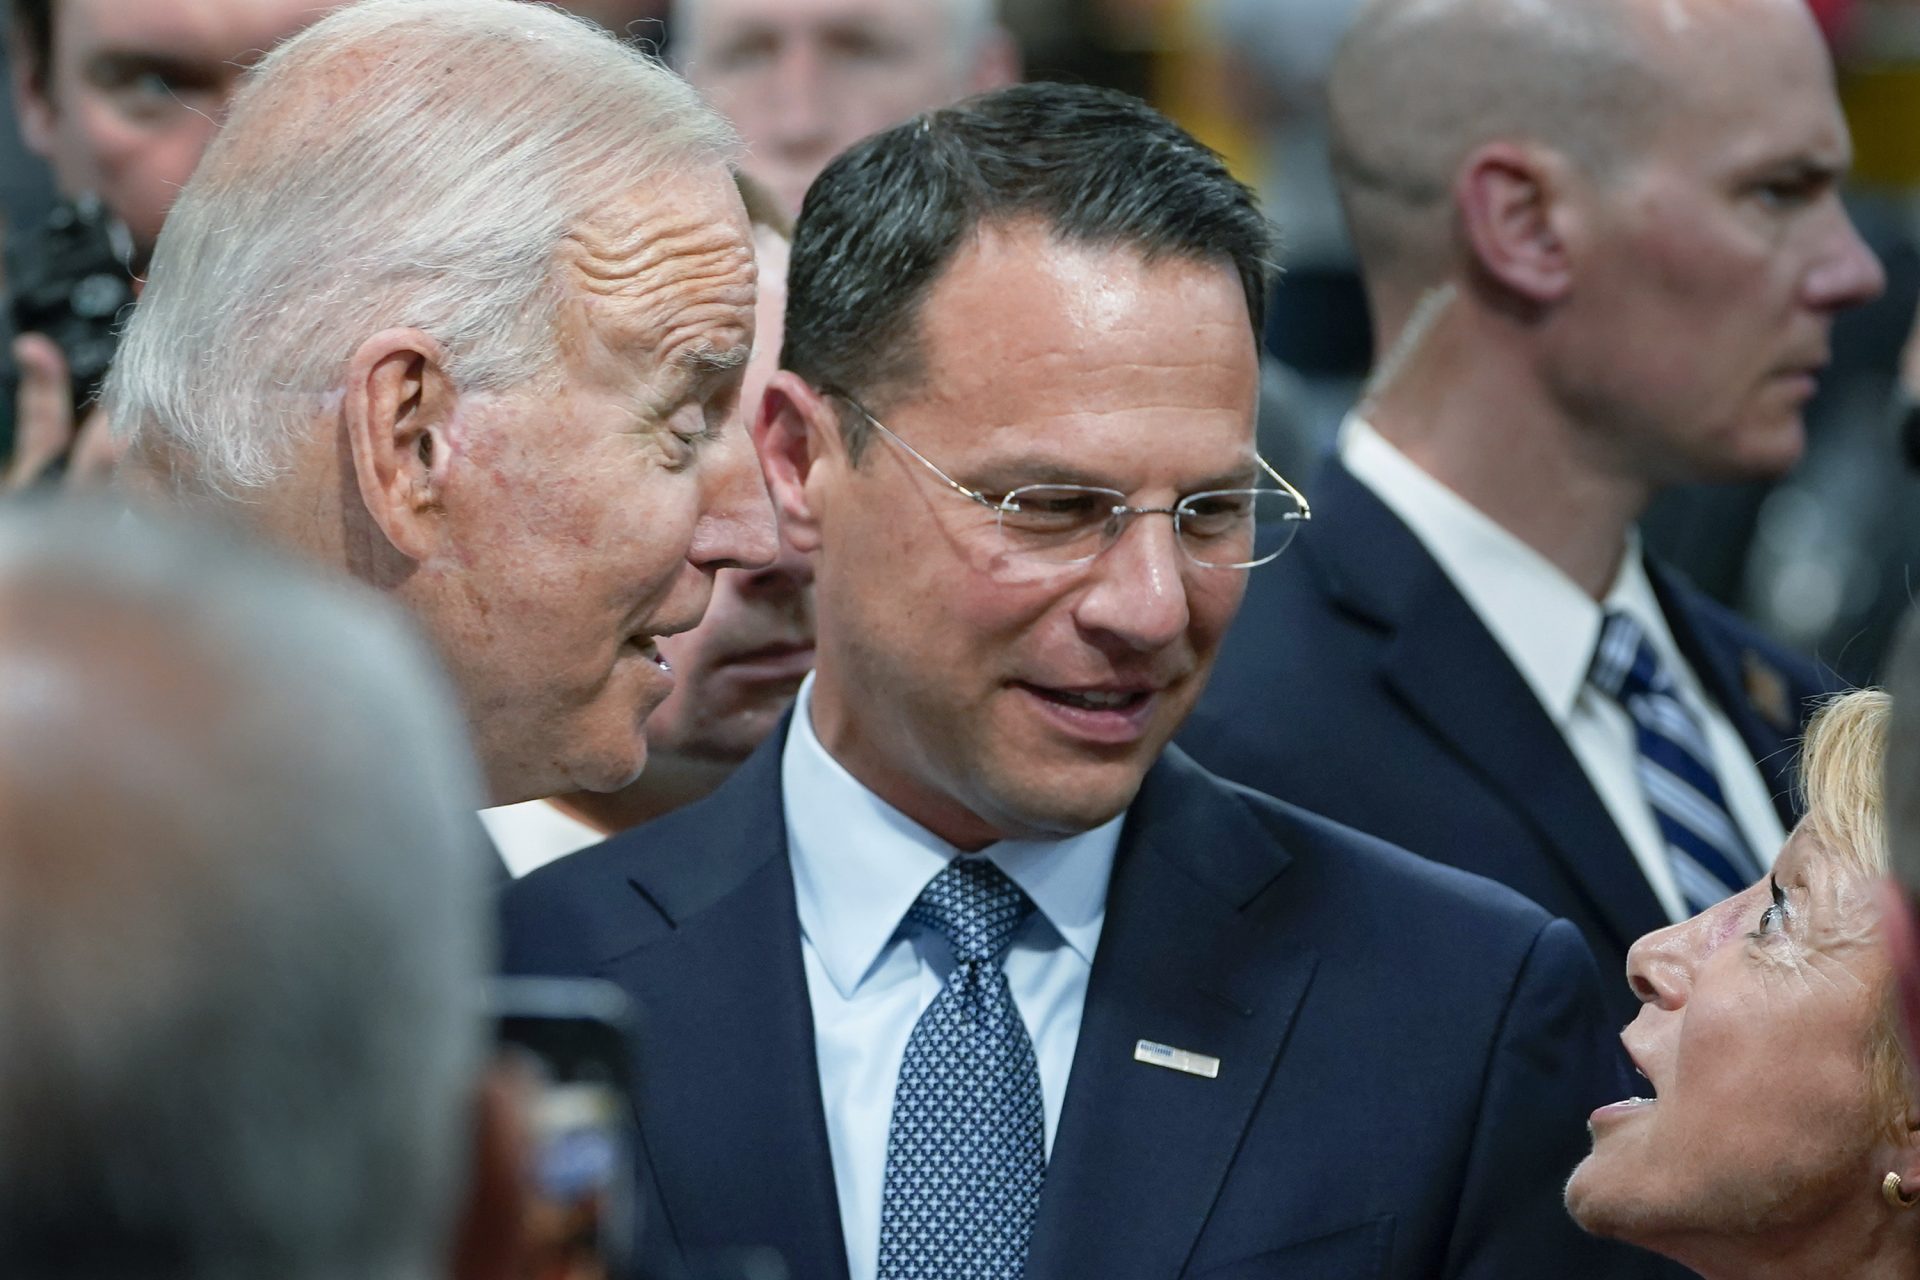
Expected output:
(1067, 804)
(607, 774)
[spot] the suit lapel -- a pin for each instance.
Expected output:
(1142, 1150)
(732, 1119)
(1450, 672)
(1756, 698)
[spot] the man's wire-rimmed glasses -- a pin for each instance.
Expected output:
(1071, 524)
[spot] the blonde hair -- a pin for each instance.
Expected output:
(1842, 771)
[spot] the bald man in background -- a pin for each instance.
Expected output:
(805, 79)
(1603, 246)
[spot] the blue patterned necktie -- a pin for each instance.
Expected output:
(967, 1147)
(1710, 858)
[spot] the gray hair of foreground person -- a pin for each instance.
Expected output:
(242, 917)
(402, 163)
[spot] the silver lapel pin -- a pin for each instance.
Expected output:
(1165, 1055)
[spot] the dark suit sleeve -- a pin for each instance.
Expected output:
(1554, 1061)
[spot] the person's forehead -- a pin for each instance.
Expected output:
(206, 31)
(1749, 80)
(1025, 270)
(709, 20)
(1026, 333)
(668, 269)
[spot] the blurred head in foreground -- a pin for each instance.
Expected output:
(241, 918)
(459, 303)
(1780, 1136)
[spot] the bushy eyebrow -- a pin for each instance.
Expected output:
(1014, 472)
(705, 359)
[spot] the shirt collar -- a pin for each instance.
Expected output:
(859, 863)
(1547, 626)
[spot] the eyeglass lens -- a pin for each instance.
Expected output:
(1067, 524)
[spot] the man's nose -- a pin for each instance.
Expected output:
(791, 571)
(1849, 274)
(1138, 592)
(802, 112)
(736, 528)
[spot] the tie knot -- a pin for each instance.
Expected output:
(1624, 663)
(974, 906)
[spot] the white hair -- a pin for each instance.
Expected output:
(972, 21)
(242, 917)
(402, 163)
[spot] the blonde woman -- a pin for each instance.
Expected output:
(1778, 1139)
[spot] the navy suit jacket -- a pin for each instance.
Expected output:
(1359, 683)
(1408, 1054)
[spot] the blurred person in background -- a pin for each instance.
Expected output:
(734, 675)
(242, 925)
(477, 340)
(120, 99)
(804, 79)
(1277, 54)
(1604, 250)
(1780, 1138)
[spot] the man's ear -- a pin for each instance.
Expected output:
(1511, 203)
(398, 407)
(795, 430)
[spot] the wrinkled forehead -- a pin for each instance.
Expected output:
(667, 271)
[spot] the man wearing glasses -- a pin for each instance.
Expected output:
(964, 974)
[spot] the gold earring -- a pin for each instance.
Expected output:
(1893, 1194)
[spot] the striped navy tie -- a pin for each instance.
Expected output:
(1710, 858)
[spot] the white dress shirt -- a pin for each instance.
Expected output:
(858, 865)
(1549, 628)
(533, 833)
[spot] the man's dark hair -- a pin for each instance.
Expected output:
(32, 37)
(1095, 166)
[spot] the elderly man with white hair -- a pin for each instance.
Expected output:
(238, 1036)
(803, 80)
(458, 303)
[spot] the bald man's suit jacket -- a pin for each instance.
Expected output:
(1359, 683)
(1407, 1054)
